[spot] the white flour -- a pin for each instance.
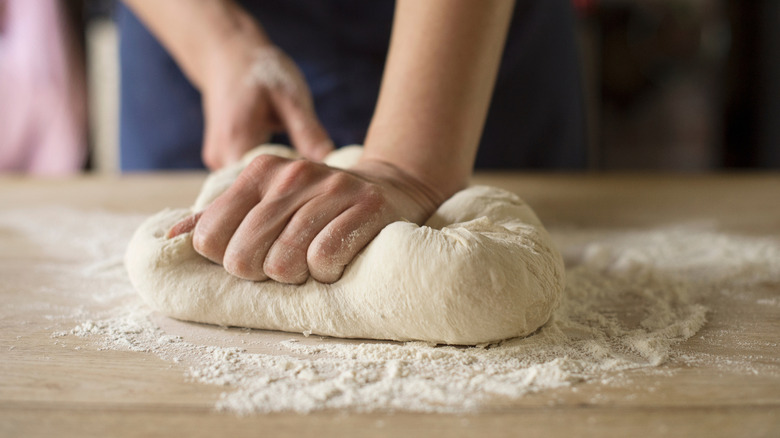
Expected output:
(631, 297)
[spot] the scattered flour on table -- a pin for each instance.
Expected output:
(631, 296)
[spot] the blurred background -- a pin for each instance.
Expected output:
(674, 85)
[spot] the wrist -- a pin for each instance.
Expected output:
(197, 32)
(445, 173)
(232, 39)
(407, 185)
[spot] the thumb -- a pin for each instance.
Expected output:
(307, 134)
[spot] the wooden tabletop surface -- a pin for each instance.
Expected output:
(47, 390)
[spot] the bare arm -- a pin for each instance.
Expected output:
(287, 220)
(196, 33)
(443, 60)
(218, 47)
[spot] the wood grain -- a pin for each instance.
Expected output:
(48, 388)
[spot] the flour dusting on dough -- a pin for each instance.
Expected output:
(423, 283)
(631, 297)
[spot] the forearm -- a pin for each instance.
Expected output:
(194, 32)
(441, 68)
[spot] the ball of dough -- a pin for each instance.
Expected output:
(481, 269)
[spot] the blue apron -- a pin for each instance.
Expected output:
(535, 118)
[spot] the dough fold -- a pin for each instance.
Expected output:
(482, 269)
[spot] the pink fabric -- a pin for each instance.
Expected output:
(42, 91)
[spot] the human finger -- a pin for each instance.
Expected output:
(294, 185)
(220, 220)
(286, 260)
(238, 117)
(297, 114)
(340, 241)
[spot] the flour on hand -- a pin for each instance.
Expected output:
(482, 269)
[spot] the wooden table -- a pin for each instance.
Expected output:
(47, 390)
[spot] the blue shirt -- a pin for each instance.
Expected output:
(535, 118)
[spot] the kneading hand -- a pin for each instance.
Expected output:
(289, 219)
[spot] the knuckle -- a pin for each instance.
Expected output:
(241, 265)
(262, 164)
(206, 244)
(286, 264)
(320, 252)
(321, 259)
(257, 171)
(301, 169)
(327, 272)
(340, 182)
(295, 175)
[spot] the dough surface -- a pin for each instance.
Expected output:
(482, 269)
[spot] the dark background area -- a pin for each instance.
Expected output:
(670, 84)
(685, 85)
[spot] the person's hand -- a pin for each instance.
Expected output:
(287, 220)
(251, 92)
